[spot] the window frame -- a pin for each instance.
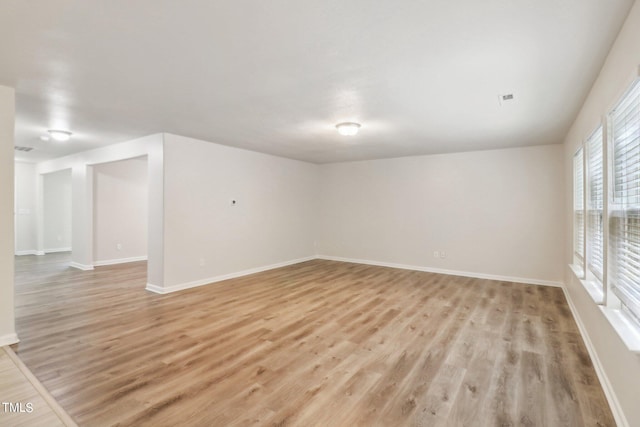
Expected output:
(617, 210)
(579, 229)
(591, 271)
(624, 321)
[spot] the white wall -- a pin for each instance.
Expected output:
(82, 165)
(7, 244)
(621, 367)
(25, 208)
(208, 237)
(120, 195)
(495, 213)
(56, 215)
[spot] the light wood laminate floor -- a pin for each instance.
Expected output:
(320, 343)
(23, 402)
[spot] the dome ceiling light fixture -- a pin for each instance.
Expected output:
(60, 135)
(348, 128)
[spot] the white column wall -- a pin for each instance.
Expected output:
(155, 224)
(82, 212)
(7, 243)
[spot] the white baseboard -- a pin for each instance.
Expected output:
(8, 339)
(46, 251)
(54, 250)
(119, 261)
(155, 289)
(28, 252)
(616, 409)
(210, 280)
(79, 266)
(443, 271)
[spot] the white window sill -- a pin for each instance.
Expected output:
(626, 328)
(593, 288)
(577, 270)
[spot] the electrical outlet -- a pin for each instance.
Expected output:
(443, 254)
(436, 254)
(119, 246)
(201, 262)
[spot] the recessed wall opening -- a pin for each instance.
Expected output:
(56, 212)
(120, 211)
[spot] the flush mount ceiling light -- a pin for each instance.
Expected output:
(60, 135)
(348, 128)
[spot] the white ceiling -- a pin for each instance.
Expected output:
(276, 76)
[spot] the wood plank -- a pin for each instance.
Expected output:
(35, 407)
(318, 343)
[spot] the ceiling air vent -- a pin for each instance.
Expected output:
(25, 149)
(505, 98)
